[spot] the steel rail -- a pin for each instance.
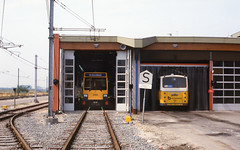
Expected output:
(21, 108)
(115, 142)
(70, 139)
(16, 132)
(9, 113)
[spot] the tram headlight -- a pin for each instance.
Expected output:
(105, 96)
(85, 96)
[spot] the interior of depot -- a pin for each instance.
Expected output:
(197, 85)
(95, 61)
(193, 64)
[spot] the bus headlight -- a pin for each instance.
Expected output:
(85, 96)
(105, 96)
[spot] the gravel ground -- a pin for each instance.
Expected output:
(138, 136)
(47, 136)
(163, 131)
(34, 127)
(131, 136)
(127, 134)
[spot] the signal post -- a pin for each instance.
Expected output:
(145, 82)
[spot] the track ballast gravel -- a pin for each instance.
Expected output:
(46, 136)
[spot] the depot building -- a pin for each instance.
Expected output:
(212, 65)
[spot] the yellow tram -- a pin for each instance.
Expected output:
(95, 89)
(173, 90)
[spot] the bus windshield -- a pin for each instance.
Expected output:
(95, 84)
(174, 82)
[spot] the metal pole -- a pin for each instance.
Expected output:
(14, 103)
(35, 98)
(143, 105)
(2, 21)
(46, 83)
(136, 83)
(130, 82)
(18, 83)
(50, 91)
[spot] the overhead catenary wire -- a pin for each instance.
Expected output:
(8, 74)
(3, 44)
(18, 59)
(26, 76)
(74, 14)
(92, 28)
(7, 44)
(43, 60)
(29, 62)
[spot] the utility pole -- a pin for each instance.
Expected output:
(35, 98)
(18, 83)
(46, 83)
(50, 91)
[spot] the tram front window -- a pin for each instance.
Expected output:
(95, 84)
(174, 82)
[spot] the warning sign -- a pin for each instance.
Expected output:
(145, 80)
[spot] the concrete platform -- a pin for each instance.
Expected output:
(51, 120)
(232, 117)
(203, 130)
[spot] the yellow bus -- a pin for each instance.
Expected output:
(95, 89)
(173, 90)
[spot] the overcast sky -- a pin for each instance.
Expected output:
(26, 23)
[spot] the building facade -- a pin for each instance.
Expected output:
(212, 65)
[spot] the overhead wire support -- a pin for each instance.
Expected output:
(79, 29)
(5, 45)
(92, 28)
(2, 20)
(94, 36)
(93, 15)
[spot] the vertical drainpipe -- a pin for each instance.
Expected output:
(130, 82)
(210, 91)
(136, 96)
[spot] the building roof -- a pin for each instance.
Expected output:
(236, 35)
(144, 42)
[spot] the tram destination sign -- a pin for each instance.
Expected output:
(145, 80)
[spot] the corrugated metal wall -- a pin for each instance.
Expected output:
(198, 85)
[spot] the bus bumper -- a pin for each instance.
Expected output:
(173, 104)
(95, 104)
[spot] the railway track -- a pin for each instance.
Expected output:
(7, 138)
(10, 138)
(9, 113)
(93, 131)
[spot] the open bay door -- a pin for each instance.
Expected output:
(68, 80)
(122, 81)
